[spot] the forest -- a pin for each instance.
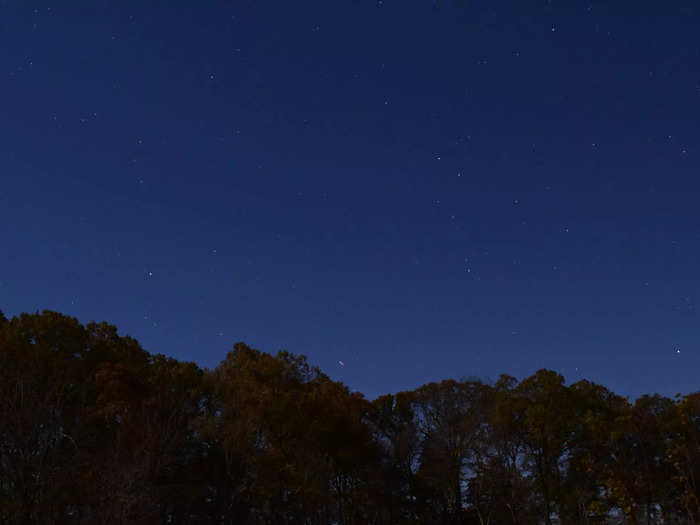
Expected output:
(96, 430)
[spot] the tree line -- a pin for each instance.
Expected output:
(95, 430)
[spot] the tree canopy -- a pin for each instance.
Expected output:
(94, 429)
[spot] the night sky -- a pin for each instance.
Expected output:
(420, 190)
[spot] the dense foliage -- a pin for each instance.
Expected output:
(95, 430)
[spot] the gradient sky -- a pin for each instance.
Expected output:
(420, 190)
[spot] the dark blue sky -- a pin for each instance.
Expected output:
(419, 190)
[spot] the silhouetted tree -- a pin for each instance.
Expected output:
(40, 382)
(594, 413)
(499, 491)
(396, 433)
(683, 455)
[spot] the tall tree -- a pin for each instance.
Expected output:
(499, 491)
(683, 454)
(638, 475)
(396, 433)
(546, 418)
(170, 441)
(595, 410)
(451, 416)
(40, 382)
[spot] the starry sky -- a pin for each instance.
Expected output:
(420, 190)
